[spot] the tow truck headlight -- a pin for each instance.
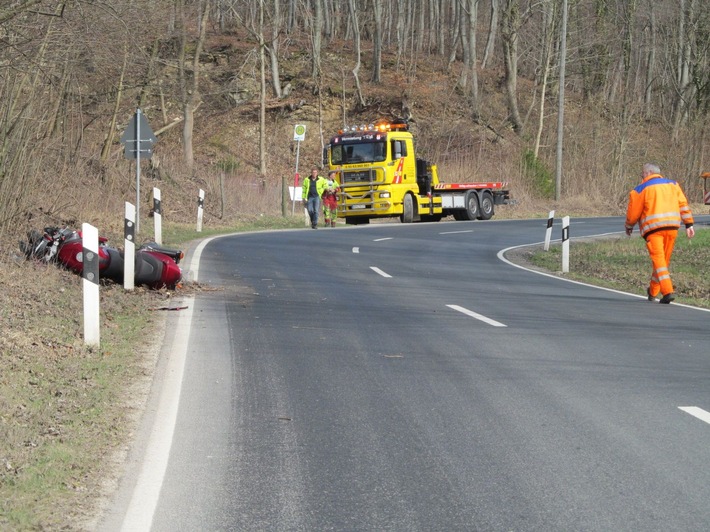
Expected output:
(385, 194)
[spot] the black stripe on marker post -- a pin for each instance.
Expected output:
(90, 269)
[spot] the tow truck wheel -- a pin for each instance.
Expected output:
(487, 207)
(472, 209)
(407, 216)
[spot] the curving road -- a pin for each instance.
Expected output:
(407, 377)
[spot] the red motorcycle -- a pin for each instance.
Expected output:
(155, 266)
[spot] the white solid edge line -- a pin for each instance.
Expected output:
(380, 272)
(139, 515)
(144, 500)
(480, 317)
(701, 414)
(502, 252)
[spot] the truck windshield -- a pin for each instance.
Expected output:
(361, 152)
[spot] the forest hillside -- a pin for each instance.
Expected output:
(223, 84)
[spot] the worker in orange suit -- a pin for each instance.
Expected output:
(659, 206)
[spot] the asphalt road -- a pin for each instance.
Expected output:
(406, 377)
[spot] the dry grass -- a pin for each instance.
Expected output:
(623, 263)
(64, 409)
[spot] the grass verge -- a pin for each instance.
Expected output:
(623, 264)
(66, 411)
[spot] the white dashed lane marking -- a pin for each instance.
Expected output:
(697, 412)
(477, 316)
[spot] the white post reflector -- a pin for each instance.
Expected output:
(200, 209)
(90, 276)
(129, 255)
(565, 244)
(157, 216)
(548, 233)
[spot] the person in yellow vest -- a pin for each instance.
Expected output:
(330, 199)
(313, 188)
(659, 207)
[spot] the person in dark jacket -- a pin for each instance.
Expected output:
(313, 188)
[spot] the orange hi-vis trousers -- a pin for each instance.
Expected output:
(660, 248)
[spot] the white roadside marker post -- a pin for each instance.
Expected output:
(90, 281)
(548, 232)
(565, 244)
(157, 217)
(129, 240)
(200, 209)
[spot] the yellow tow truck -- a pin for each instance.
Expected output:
(381, 177)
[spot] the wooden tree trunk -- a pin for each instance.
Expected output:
(262, 99)
(377, 38)
(316, 39)
(108, 142)
(547, 42)
(274, 50)
(685, 88)
(510, 22)
(356, 70)
(492, 29)
(473, 56)
(192, 98)
(650, 62)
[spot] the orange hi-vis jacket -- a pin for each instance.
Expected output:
(657, 203)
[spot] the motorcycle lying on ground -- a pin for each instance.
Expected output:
(155, 266)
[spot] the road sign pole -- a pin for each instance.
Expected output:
(299, 135)
(137, 138)
(295, 177)
(138, 171)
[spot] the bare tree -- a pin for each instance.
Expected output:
(273, 48)
(683, 82)
(492, 31)
(262, 98)
(377, 40)
(316, 39)
(561, 102)
(650, 61)
(356, 69)
(545, 60)
(190, 88)
(510, 24)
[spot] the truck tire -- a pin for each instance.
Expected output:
(487, 207)
(471, 202)
(407, 216)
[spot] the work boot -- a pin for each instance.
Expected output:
(332, 223)
(650, 297)
(327, 222)
(668, 298)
